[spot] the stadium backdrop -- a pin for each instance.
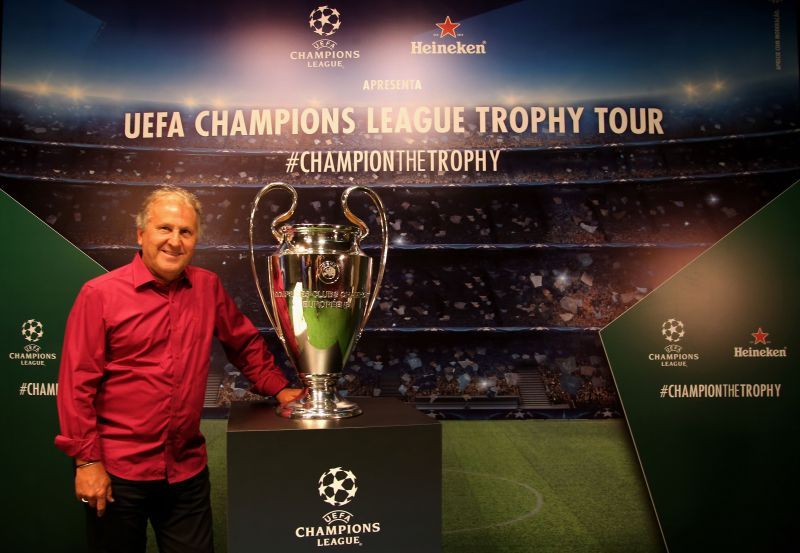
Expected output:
(545, 166)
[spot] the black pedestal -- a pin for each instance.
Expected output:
(368, 483)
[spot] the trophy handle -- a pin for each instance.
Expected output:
(365, 231)
(276, 233)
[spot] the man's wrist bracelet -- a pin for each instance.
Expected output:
(86, 464)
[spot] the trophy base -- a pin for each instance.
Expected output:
(297, 410)
(320, 402)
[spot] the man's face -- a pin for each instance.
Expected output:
(168, 238)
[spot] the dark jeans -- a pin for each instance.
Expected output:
(180, 514)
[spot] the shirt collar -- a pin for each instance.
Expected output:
(142, 275)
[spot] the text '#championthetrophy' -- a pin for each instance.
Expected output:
(319, 296)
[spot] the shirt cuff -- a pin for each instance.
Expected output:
(80, 449)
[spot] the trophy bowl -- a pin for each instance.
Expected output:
(320, 294)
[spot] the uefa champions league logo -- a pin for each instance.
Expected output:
(32, 330)
(337, 486)
(673, 330)
(324, 21)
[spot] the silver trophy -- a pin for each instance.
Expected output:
(320, 296)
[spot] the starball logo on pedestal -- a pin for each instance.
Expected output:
(337, 487)
(760, 339)
(32, 331)
(673, 331)
(438, 46)
(324, 21)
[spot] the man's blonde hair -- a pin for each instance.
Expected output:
(169, 191)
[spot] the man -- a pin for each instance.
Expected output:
(132, 381)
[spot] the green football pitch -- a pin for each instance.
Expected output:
(566, 486)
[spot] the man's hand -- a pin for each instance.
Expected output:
(93, 486)
(288, 395)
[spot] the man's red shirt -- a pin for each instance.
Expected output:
(134, 367)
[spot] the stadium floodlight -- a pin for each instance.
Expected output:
(690, 90)
(42, 88)
(718, 85)
(74, 92)
(190, 102)
(218, 102)
(562, 278)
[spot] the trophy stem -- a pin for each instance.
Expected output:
(321, 401)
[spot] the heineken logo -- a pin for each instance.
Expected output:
(447, 30)
(759, 346)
